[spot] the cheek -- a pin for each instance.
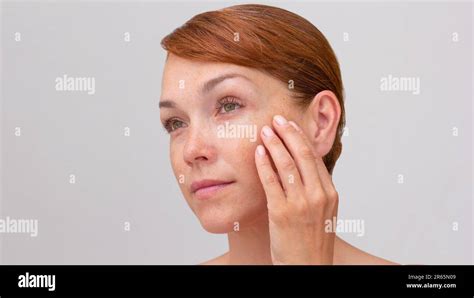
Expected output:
(239, 154)
(238, 150)
(174, 158)
(177, 163)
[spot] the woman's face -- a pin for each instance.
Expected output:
(214, 113)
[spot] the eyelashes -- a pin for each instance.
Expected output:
(226, 105)
(169, 124)
(228, 101)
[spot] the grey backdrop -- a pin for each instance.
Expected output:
(128, 178)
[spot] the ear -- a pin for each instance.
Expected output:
(321, 120)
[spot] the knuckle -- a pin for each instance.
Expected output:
(332, 195)
(319, 200)
(274, 141)
(336, 200)
(306, 153)
(288, 128)
(270, 179)
(287, 165)
(265, 162)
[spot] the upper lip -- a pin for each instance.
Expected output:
(195, 186)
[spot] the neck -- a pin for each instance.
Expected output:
(250, 245)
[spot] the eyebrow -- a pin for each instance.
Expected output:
(206, 88)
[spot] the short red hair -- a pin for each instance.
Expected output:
(276, 41)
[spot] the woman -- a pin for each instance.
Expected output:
(257, 68)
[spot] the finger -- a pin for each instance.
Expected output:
(312, 168)
(289, 174)
(325, 177)
(268, 178)
(300, 150)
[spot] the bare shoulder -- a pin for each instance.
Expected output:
(344, 254)
(220, 260)
(347, 254)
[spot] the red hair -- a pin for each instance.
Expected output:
(270, 39)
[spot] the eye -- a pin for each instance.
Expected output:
(228, 104)
(173, 124)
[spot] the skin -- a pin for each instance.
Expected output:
(279, 200)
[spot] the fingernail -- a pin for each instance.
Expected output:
(279, 120)
(295, 126)
(260, 150)
(267, 131)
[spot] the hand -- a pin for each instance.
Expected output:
(300, 197)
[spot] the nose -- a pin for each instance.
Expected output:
(199, 147)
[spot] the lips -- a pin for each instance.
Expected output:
(205, 189)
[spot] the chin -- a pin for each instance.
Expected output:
(230, 218)
(217, 219)
(216, 227)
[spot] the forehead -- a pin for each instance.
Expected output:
(183, 78)
(194, 74)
